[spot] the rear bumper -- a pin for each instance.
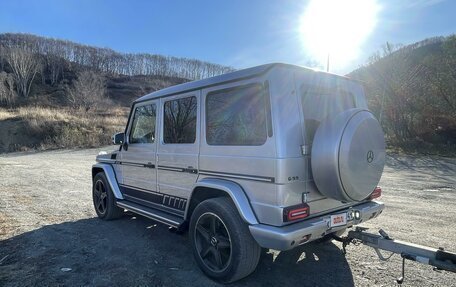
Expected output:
(290, 236)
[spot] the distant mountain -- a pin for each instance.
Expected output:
(412, 89)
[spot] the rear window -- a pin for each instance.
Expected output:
(320, 102)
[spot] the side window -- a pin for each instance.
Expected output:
(237, 116)
(180, 121)
(143, 126)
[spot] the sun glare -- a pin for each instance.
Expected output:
(337, 28)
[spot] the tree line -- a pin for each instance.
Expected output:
(109, 61)
(25, 56)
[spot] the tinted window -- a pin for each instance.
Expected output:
(319, 102)
(236, 116)
(180, 121)
(143, 126)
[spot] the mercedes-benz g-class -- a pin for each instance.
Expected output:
(273, 156)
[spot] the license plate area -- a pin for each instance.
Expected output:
(338, 220)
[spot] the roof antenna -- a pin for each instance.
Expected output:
(327, 64)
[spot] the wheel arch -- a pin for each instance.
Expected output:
(213, 187)
(110, 176)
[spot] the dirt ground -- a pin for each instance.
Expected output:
(47, 224)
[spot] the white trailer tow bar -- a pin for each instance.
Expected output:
(436, 257)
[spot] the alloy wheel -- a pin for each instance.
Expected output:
(100, 197)
(213, 242)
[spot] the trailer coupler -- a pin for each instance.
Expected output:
(438, 258)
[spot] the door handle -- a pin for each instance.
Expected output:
(150, 165)
(190, 169)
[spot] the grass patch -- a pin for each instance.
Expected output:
(48, 128)
(5, 114)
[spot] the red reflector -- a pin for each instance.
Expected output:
(295, 212)
(376, 193)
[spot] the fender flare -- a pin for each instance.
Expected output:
(110, 176)
(234, 191)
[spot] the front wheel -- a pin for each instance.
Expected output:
(103, 199)
(221, 241)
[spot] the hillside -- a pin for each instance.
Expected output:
(61, 94)
(35, 70)
(412, 90)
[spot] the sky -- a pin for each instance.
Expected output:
(236, 33)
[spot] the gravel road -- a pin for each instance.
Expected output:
(49, 234)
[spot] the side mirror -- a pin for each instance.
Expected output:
(118, 138)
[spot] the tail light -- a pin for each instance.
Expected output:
(376, 193)
(296, 212)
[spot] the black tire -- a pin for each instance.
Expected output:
(103, 199)
(214, 225)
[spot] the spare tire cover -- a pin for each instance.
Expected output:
(348, 155)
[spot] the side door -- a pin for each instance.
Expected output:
(178, 148)
(138, 155)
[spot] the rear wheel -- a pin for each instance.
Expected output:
(103, 199)
(222, 244)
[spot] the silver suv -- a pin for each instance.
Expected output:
(273, 156)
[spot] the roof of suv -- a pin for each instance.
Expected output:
(225, 78)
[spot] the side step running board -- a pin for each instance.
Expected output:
(151, 213)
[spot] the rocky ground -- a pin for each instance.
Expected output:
(49, 234)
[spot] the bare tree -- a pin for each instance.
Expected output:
(7, 94)
(54, 66)
(87, 91)
(24, 65)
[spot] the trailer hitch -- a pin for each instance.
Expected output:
(345, 240)
(438, 258)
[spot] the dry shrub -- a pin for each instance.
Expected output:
(88, 91)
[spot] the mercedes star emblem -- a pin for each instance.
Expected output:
(370, 156)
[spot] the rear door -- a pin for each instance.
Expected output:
(178, 149)
(321, 96)
(138, 161)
